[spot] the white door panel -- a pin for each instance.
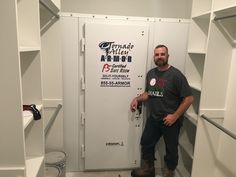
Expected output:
(115, 67)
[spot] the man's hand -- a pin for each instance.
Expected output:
(170, 119)
(134, 104)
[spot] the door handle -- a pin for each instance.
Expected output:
(138, 112)
(139, 107)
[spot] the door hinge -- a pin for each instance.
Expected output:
(83, 151)
(82, 83)
(82, 44)
(82, 118)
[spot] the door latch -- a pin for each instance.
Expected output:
(138, 112)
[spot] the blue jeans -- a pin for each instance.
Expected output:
(153, 131)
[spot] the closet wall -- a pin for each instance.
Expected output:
(210, 70)
(52, 74)
(147, 8)
(52, 84)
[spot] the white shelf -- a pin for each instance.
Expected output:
(192, 117)
(29, 49)
(196, 86)
(28, 116)
(52, 4)
(182, 171)
(197, 52)
(225, 11)
(33, 165)
(12, 171)
(205, 15)
(187, 148)
(227, 25)
(223, 4)
(11, 168)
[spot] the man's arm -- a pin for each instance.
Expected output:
(141, 98)
(171, 118)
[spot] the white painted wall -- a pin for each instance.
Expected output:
(71, 108)
(52, 83)
(144, 8)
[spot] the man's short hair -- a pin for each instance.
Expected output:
(160, 46)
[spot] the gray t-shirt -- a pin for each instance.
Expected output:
(166, 91)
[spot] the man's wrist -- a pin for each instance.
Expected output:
(176, 115)
(136, 98)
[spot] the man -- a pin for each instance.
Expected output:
(168, 96)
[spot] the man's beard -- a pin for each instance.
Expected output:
(161, 63)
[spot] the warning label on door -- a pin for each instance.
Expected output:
(116, 63)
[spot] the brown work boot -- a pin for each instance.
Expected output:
(146, 170)
(168, 173)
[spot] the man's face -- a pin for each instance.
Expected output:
(161, 56)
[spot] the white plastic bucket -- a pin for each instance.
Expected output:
(51, 171)
(57, 159)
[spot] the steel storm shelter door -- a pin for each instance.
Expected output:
(115, 66)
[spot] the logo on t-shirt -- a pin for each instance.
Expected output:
(152, 81)
(156, 87)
